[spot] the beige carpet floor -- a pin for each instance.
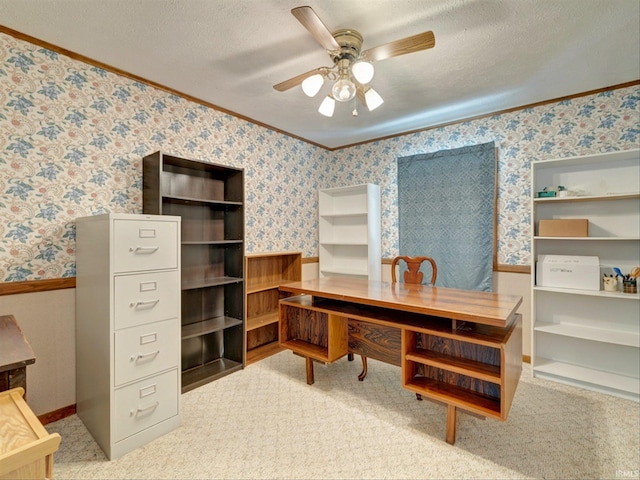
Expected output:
(265, 422)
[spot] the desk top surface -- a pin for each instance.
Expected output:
(15, 351)
(467, 305)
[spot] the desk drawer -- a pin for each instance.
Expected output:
(146, 298)
(375, 341)
(144, 245)
(145, 403)
(145, 350)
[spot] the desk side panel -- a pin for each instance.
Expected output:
(512, 364)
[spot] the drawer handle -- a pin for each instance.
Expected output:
(147, 303)
(146, 250)
(142, 356)
(143, 410)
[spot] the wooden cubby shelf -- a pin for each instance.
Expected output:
(265, 272)
(472, 368)
(209, 198)
(307, 349)
(468, 369)
(262, 320)
(312, 332)
(458, 396)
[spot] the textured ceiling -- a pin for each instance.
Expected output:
(490, 55)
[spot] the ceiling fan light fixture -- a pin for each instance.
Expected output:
(327, 106)
(344, 90)
(352, 68)
(311, 85)
(363, 72)
(373, 99)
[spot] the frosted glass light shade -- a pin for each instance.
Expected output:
(363, 71)
(373, 99)
(311, 85)
(344, 90)
(327, 106)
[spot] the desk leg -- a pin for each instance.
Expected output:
(451, 424)
(310, 378)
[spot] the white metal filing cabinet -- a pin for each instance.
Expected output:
(128, 328)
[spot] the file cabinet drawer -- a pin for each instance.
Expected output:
(148, 245)
(145, 403)
(145, 298)
(145, 350)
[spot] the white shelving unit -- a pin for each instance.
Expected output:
(350, 231)
(581, 337)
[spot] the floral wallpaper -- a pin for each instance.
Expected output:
(72, 137)
(581, 126)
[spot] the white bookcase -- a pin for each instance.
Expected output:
(580, 337)
(350, 231)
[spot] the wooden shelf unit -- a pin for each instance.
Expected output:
(474, 374)
(589, 338)
(265, 272)
(316, 332)
(210, 200)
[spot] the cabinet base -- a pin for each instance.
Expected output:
(196, 377)
(142, 438)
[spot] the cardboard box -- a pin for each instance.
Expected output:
(574, 227)
(568, 271)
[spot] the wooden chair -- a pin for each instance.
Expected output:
(412, 276)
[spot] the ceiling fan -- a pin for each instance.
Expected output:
(352, 68)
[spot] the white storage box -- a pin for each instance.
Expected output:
(567, 271)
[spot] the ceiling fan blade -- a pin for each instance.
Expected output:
(297, 80)
(310, 20)
(415, 43)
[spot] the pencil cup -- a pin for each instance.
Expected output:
(630, 286)
(610, 284)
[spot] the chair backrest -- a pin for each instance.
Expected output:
(413, 275)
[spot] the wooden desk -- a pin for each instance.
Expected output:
(459, 347)
(15, 355)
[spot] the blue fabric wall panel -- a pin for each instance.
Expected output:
(446, 211)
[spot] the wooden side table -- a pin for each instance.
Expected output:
(15, 355)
